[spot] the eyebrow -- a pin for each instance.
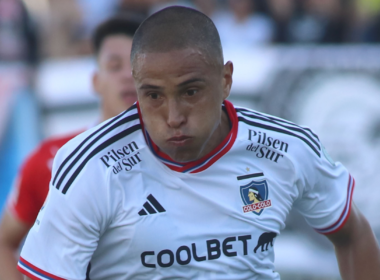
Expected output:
(191, 81)
(147, 86)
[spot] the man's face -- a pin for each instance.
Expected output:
(113, 80)
(180, 95)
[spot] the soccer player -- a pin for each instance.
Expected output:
(112, 42)
(161, 191)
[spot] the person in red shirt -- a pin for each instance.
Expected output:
(112, 42)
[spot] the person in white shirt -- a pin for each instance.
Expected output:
(162, 190)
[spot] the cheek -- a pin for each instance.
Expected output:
(104, 83)
(152, 119)
(203, 122)
(206, 112)
(111, 76)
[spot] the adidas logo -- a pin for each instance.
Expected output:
(151, 207)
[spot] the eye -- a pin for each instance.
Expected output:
(153, 95)
(113, 63)
(191, 92)
(113, 67)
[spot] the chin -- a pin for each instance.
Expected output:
(183, 157)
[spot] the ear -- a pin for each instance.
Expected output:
(228, 70)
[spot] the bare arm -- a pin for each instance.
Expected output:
(12, 233)
(356, 249)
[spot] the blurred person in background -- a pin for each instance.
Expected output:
(157, 5)
(368, 21)
(213, 9)
(18, 45)
(209, 8)
(242, 26)
(63, 30)
(137, 7)
(18, 36)
(310, 21)
(19, 55)
(144, 8)
(113, 82)
(96, 12)
(283, 13)
(321, 21)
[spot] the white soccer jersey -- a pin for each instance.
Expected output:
(120, 209)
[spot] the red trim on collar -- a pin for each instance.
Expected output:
(207, 160)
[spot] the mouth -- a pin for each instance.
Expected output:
(179, 140)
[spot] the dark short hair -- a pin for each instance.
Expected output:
(176, 28)
(122, 24)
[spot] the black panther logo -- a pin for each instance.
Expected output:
(265, 239)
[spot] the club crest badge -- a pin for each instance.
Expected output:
(255, 197)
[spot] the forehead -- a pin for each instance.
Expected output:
(175, 64)
(117, 44)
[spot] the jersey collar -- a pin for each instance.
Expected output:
(204, 162)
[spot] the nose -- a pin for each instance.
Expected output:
(175, 114)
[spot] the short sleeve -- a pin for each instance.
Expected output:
(66, 232)
(326, 193)
(30, 187)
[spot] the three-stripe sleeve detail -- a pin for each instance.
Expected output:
(292, 131)
(285, 124)
(95, 151)
(89, 146)
(276, 120)
(114, 120)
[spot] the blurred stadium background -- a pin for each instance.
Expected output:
(315, 62)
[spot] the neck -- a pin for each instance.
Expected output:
(220, 133)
